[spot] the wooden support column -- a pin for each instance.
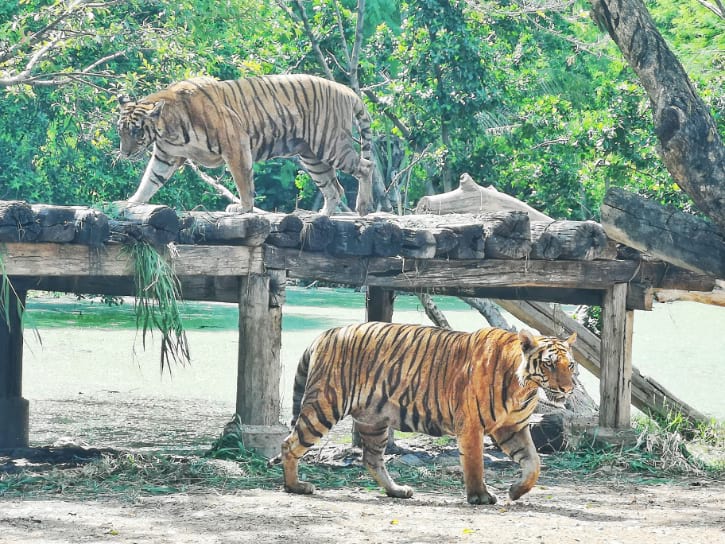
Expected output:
(258, 378)
(378, 307)
(379, 304)
(616, 359)
(14, 409)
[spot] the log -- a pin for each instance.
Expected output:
(647, 394)
(158, 225)
(91, 227)
(668, 234)
(573, 240)
(248, 229)
(418, 243)
(353, 238)
(615, 381)
(473, 198)
(507, 234)
(57, 223)
(285, 230)
(17, 222)
(689, 141)
(317, 231)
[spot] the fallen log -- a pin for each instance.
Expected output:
(17, 222)
(647, 395)
(673, 236)
(473, 198)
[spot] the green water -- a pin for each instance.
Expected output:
(92, 349)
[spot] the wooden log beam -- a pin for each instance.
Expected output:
(647, 394)
(17, 222)
(248, 229)
(409, 274)
(157, 224)
(670, 235)
(571, 240)
(57, 260)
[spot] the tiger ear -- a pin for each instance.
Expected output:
(123, 99)
(571, 339)
(156, 112)
(528, 342)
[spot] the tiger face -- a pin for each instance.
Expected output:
(137, 125)
(549, 365)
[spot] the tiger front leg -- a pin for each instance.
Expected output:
(470, 444)
(518, 445)
(374, 440)
(240, 164)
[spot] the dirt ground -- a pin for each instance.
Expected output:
(602, 509)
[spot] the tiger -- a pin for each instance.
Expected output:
(238, 122)
(425, 379)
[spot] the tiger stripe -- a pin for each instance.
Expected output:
(243, 121)
(430, 380)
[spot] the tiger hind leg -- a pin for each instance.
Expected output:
(520, 447)
(308, 430)
(325, 178)
(374, 440)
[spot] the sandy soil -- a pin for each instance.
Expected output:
(601, 509)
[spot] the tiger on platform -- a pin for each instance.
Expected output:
(242, 121)
(430, 380)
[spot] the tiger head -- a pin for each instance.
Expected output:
(548, 362)
(137, 125)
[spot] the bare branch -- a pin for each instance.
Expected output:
(717, 8)
(218, 187)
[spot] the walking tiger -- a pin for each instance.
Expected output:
(430, 380)
(242, 121)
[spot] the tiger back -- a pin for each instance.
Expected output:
(430, 380)
(242, 121)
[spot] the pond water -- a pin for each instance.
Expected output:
(88, 348)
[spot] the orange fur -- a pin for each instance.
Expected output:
(429, 380)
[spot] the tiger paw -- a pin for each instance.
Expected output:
(301, 488)
(400, 492)
(483, 497)
(237, 208)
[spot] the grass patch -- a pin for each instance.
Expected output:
(661, 452)
(157, 302)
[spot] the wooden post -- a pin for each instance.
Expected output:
(378, 307)
(379, 304)
(14, 409)
(616, 359)
(259, 370)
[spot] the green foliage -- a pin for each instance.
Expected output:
(157, 302)
(537, 103)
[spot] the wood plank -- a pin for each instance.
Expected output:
(673, 236)
(616, 359)
(112, 260)
(409, 274)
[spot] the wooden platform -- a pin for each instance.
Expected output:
(245, 259)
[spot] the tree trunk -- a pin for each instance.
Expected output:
(690, 145)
